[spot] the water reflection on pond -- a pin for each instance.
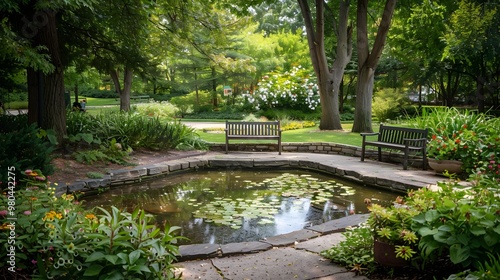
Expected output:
(224, 206)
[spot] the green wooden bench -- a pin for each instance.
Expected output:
(253, 131)
(398, 138)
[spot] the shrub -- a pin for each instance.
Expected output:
(57, 239)
(25, 148)
(474, 137)
(355, 252)
(97, 93)
(290, 90)
(162, 109)
(133, 130)
(386, 104)
(459, 221)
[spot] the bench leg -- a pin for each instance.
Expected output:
(405, 160)
(363, 153)
(424, 161)
(279, 146)
(379, 154)
(227, 146)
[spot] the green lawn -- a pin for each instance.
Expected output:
(312, 134)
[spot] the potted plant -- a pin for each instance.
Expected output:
(456, 138)
(448, 150)
(394, 241)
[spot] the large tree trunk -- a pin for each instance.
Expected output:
(363, 113)
(329, 81)
(124, 92)
(367, 62)
(46, 92)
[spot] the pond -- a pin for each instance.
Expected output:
(225, 206)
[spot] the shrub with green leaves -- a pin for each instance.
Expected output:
(355, 252)
(134, 130)
(386, 104)
(25, 148)
(55, 238)
(163, 109)
(460, 221)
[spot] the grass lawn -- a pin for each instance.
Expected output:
(312, 134)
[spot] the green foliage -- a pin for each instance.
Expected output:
(134, 130)
(392, 225)
(459, 220)
(193, 102)
(56, 238)
(221, 115)
(355, 252)
(490, 270)
(25, 148)
(15, 105)
(162, 109)
(386, 104)
(466, 136)
(112, 152)
(95, 175)
(276, 114)
(98, 93)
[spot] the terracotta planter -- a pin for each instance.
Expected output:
(440, 166)
(384, 254)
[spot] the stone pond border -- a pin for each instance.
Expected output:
(144, 172)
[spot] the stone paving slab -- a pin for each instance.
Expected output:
(281, 263)
(321, 243)
(197, 270)
(244, 248)
(339, 225)
(198, 251)
(291, 238)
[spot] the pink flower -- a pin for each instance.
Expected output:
(3, 213)
(27, 212)
(33, 261)
(40, 178)
(28, 171)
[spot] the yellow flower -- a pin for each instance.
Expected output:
(91, 217)
(5, 226)
(68, 197)
(49, 216)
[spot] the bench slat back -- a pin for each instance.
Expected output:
(395, 135)
(253, 128)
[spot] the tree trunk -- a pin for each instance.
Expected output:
(76, 92)
(127, 85)
(329, 81)
(32, 77)
(214, 89)
(49, 110)
(364, 90)
(367, 62)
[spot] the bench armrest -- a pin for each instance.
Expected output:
(368, 133)
(364, 134)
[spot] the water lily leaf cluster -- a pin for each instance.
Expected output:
(268, 196)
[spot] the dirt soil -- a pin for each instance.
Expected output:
(68, 170)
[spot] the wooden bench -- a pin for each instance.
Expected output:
(398, 138)
(253, 130)
(139, 97)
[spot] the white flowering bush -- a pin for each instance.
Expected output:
(296, 89)
(156, 109)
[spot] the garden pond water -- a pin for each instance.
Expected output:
(225, 206)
